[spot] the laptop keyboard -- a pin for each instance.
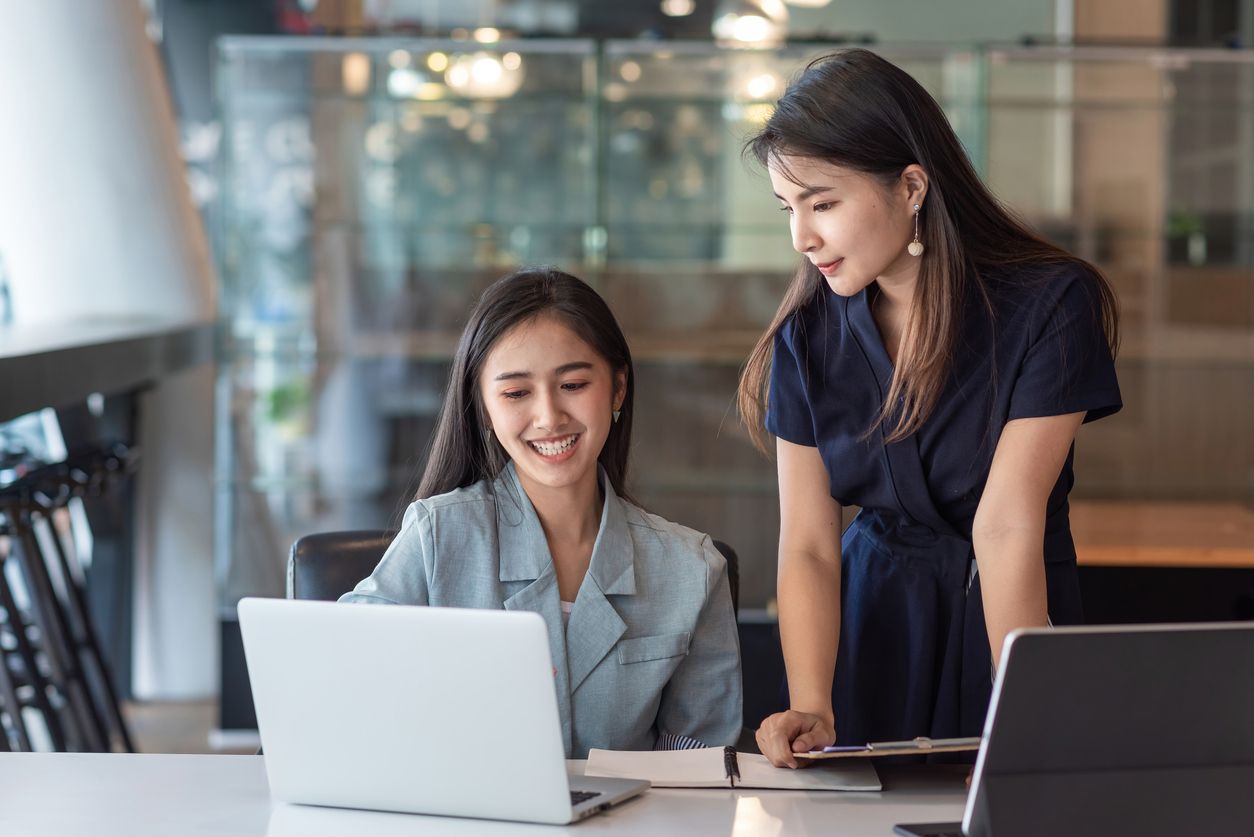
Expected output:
(577, 797)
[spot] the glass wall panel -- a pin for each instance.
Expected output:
(372, 189)
(372, 192)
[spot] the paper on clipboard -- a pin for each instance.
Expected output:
(921, 746)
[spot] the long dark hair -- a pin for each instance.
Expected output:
(859, 111)
(462, 451)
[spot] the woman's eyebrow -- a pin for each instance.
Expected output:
(561, 370)
(808, 192)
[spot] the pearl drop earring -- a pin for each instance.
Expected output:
(915, 248)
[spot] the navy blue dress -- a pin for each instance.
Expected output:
(914, 657)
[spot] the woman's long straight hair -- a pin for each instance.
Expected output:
(859, 111)
(463, 450)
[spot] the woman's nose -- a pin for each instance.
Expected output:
(549, 413)
(803, 238)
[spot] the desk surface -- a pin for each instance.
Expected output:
(61, 794)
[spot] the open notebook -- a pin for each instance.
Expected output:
(723, 767)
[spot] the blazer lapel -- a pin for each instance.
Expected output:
(524, 558)
(595, 625)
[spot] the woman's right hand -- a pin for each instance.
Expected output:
(785, 733)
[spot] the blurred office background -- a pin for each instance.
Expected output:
(363, 168)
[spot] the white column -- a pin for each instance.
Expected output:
(96, 221)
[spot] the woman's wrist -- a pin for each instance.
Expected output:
(821, 709)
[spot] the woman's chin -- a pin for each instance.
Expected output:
(845, 285)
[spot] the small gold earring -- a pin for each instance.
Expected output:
(915, 247)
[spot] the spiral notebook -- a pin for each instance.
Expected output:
(723, 767)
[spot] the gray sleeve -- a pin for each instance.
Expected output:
(702, 700)
(403, 576)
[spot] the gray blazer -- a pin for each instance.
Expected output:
(651, 648)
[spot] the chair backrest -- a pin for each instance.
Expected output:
(328, 565)
(733, 573)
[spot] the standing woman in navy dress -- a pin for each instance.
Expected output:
(931, 363)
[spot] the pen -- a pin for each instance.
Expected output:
(730, 766)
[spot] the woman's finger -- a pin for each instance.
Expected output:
(774, 739)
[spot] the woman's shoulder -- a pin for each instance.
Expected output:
(473, 500)
(657, 538)
(1034, 279)
(1038, 290)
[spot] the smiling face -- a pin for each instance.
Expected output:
(852, 227)
(549, 399)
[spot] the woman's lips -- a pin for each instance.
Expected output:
(556, 450)
(829, 268)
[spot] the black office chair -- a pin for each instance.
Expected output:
(325, 566)
(733, 573)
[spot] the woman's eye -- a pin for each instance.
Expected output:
(514, 394)
(823, 207)
(787, 209)
(574, 386)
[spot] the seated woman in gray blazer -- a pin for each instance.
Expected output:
(522, 506)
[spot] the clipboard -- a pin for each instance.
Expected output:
(921, 746)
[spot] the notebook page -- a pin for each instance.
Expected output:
(699, 768)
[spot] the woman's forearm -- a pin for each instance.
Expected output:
(1011, 564)
(809, 627)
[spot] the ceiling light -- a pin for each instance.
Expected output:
(482, 75)
(355, 73)
(752, 24)
(404, 83)
(761, 86)
(678, 8)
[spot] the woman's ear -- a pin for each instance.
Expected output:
(914, 181)
(620, 388)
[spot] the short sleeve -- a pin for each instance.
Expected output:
(788, 413)
(1068, 367)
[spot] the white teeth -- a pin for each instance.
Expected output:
(554, 448)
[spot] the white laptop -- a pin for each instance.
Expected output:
(1143, 730)
(425, 710)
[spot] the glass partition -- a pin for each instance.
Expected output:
(372, 189)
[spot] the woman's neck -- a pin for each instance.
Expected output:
(891, 307)
(571, 518)
(897, 287)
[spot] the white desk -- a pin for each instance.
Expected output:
(60, 794)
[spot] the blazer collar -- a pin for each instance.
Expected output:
(524, 552)
(595, 625)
